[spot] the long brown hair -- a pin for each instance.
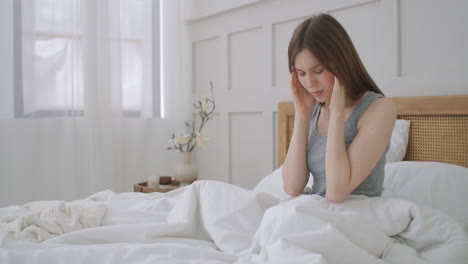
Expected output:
(326, 38)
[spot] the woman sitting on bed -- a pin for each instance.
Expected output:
(343, 122)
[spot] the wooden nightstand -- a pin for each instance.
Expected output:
(143, 187)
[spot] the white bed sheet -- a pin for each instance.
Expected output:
(214, 222)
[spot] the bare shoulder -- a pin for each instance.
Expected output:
(384, 105)
(381, 111)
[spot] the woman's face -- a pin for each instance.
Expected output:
(313, 76)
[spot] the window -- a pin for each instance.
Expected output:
(49, 54)
(139, 59)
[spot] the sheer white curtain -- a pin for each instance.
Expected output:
(48, 58)
(81, 104)
(65, 42)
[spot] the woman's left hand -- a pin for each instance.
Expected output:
(338, 98)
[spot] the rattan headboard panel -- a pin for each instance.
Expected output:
(441, 138)
(438, 132)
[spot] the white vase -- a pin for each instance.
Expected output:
(185, 171)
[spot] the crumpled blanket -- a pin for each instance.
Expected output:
(40, 221)
(215, 222)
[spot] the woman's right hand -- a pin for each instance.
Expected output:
(303, 101)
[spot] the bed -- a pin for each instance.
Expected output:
(421, 217)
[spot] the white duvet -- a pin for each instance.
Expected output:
(214, 222)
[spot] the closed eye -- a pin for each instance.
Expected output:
(300, 73)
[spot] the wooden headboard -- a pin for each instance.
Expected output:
(438, 132)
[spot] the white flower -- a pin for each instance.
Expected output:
(187, 143)
(202, 138)
(181, 140)
(176, 140)
(204, 106)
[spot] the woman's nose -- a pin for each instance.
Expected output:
(309, 81)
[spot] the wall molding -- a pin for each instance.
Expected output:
(228, 51)
(200, 14)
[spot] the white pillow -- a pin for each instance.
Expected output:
(399, 141)
(273, 184)
(438, 185)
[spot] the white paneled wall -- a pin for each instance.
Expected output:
(434, 43)
(411, 47)
(205, 70)
(246, 72)
(214, 168)
(248, 159)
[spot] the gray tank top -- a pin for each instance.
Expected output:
(373, 184)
